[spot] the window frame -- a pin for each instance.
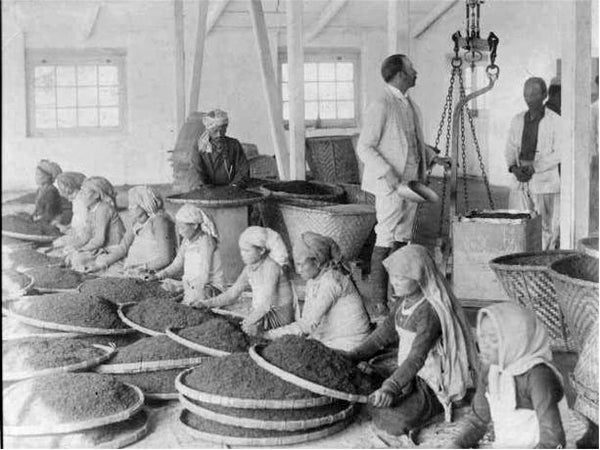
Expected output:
(328, 55)
(38, 57)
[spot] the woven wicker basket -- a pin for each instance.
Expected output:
(576, 282)
(263, 166)
(332, 159)
(589, 246)
(348, 225)
(355, 194)
(526, 279)
(585, 378)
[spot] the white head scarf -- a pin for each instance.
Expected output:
(70, 181)
(214, 119)
(523, 343)
(146, 198)
(50, 167)
(103, 188)
(189, 213)
(268, 239)
(458, 354)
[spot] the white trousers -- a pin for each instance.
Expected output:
(548, 207)
(395, 218)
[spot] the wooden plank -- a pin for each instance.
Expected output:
(576, 88)
(217, 7)
(198, 56)
(179, 62)
(294, 12)
(431, 18)
(87, 25)
(328, 14)
(271, 88)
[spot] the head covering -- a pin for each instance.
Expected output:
(189, 213)
(103, 188)
(321, 248)
(214, 119)
(267, 239)
(456, 348)
(523, 343)
(70, 181)
(50, 167)
(146, 198)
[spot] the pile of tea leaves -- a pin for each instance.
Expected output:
(57, 277)
(157, 382)
(70, 309)
(217, 193)
(22, 355)
(158, 314)
(29, 258)
(314, 361)
(124, 290)
(21, 223)
(238, 376)
(155, 348)
(66, 398)
(221, 334)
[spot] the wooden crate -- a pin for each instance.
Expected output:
(476, 242)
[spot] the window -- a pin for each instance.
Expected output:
(75, 92)
(330, 88)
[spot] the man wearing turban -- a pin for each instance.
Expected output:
(219, 160)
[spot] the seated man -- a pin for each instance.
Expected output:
(218, 159)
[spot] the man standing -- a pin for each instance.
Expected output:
(218, 159)
(392, 148)
(533, 154)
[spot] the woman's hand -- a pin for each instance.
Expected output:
(365, 367)
(251, 329)
(381, 398)
(91, 267)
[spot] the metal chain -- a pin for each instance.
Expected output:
(477, 147)
(463, 154)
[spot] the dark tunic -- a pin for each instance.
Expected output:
(48, 204)
(225, 165)
(414, 401)
(529, 137)
(538, 389)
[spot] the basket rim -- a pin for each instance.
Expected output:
(246, 403)
(86, 364)
(23, 290)
(500, 261)
(122, 313)
(569, 279)
(30, 237)
(337, 191)
(327, 212)
(281, 425)
(172, 333)
(265, 441)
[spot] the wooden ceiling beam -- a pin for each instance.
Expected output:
(215, 11)
(328, 14)
(434, 15)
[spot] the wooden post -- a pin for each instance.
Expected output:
(398, 27)
(198, 56)
(294, 12)
(271, 88)
(576, 95)
(179, 62)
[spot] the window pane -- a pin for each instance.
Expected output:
(345, 110)
(109, 117)
(45, 96)
(327, 110)
(88, 117)
(284, 72)
(311, 110)
(345, 91)
(326, 91)
(109, 96)
(65, 76)
(284, 92)
(310, 72)
(286, 111)
(344, 71)
(86, 76)
(326, 71)
(87, 96)
(67, 117)
(311, 91)
(66, 96)
(45, 118)
(108, 75)
(44, 76)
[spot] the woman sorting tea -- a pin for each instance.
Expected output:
(435, 349)
(273, 299)
(333, 311)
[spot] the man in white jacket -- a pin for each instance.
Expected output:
(533, 153)
(393, 151)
